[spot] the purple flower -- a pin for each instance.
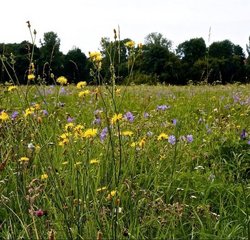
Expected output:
(172, 139)
(243, 134)
(45, 112)
(70, 119)
(14, 115)
(97, 121)
(174, 121)
(248, 142)
(129, 117)
(62, 91)
(103, 133)
(190, 138)
(146, 115)
(162, 107)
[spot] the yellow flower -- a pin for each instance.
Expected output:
(130, 44)
(94, 161)
(89, 133)
(81, 85)
(141, 143)
(133, 144)
(116, 118)
(83, 93)
(69, 126)
(78, 130)
(37, 106)
(127, 133)
(95, 57)
(12, 88)
(4, 116)
(162, 136)
(29, 111)
(31, 77)
(111, 194)
(62, 80)
(24, 159)
(44, 176)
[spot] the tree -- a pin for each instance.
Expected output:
(51, 58)
(158, 60)
(76, 66)
(192, 54)
(226, 62)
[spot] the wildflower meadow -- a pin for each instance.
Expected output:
(103, 161)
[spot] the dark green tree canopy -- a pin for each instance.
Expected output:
(192, 50)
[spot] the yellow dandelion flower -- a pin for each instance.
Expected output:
(141, 143)
(162, 136)
(90, 133)
(37, 106)
(130, 44)
(81, 84)
(63, 142)
(127, 133)
(116, 118)
(111, 194)
(133, 144)
(118, 91)
(31, 77)
(29, 111)
(94, 161)
(24, 159)
(83, 93)
(62, 80)
(95, 57)
(44, 176)
(4, 116)
(12, 88)
(69, 126)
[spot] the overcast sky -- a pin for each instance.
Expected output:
(82, 23)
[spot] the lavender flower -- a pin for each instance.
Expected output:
(97, 121)
(129, 117)
(45, 112)
(190, 138)
(103, 134)
(70, 119)
(243, 134)
(172, 139)
(14, 115)
(146, 115)
(162, 107)
(174, 121)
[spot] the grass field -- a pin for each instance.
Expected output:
(137, 162)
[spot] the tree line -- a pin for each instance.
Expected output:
(156, 61)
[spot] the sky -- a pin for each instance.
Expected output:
(82, 23)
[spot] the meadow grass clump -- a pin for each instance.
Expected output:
(134, 162)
